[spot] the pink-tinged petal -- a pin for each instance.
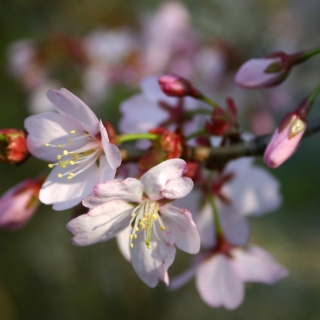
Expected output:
(151, 265)
(129, 190)
(252, 74)
(177, 188)
(258, 265)
(218, 284)
(111, 151)
(18, 205)
(50, 128)
(101, 223)
(106, 172)
(64, 193)
(204, 222)
(236, 228)
(156, 179)
(281, 147)
(132, 110)
(123, 243)
(68, 104)
(252, 191)
(152, 90)
(180, 222)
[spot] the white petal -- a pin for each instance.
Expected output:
(100, 224)
(253, 190)
(129, 190)
(67, 103)
(218, 284)
(258, 265)
(156, 179)
(182, 227)
(123, 242)
(177, 188)
(204, 222)
(106, 172)
(50, 128)
(111, 151)
(64, 193)
(151, 265)
(132, 110)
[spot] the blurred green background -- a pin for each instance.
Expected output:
(43, 276)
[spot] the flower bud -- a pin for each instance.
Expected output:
(285, 140)
(13, 147)
(175, 86)
(19, 203)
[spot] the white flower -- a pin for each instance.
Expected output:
(77, 147)
(221, 276)
(153, 225)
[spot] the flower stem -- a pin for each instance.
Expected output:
(308, 54)
(136, 136)
(216, 219)
(209, 101)
(3, 137)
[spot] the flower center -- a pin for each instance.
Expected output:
(78, 154)
(145, 216)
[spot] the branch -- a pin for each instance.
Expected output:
(217, 157)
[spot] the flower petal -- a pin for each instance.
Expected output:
(177, 188)
(218, 284)
(151, 265)
(111, 151)
(101, 223)
(258, 265)
(156, 179)
(204, 222)
(68, 104)
(182, 227)
(129, 190)
(50, 128)
(123, 242)
(106, 172)
(64, 193)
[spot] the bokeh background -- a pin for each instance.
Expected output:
(42, 276)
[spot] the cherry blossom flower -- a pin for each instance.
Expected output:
(285, 140)
(76, 146)
(154, 226)
(19, 203)
(221, 276)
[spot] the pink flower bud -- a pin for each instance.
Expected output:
(13, 147)
(19, 203)
(285, 140)
(261, 73)
(175, 86)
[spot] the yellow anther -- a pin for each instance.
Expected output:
(70, 140)
(71, 162)
(47, 144)
(73, 131)
(69, 177)
(144, 227)
(144, 219)
(59, 146)
(59, 156)
(149, 247)
(154, 216)
(50, 165)
(137, 229)
(135, 236)
(65, 152)
(141, 223)
(59, 175)
(148, 216)
(130, 236)
(162, 228)
(131, 245)
(63, 166)
(133, 215)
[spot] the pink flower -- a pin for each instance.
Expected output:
(19, 203)
(154, 226)
(74, 142)
(261, 73)
(285, 140)
(221, 277)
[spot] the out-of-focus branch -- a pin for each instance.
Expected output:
(216, 157)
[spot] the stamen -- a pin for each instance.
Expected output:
(131, 245)
(65, 152)
(47, 144)
(73, 131)
(59, 156)
(60, 175)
